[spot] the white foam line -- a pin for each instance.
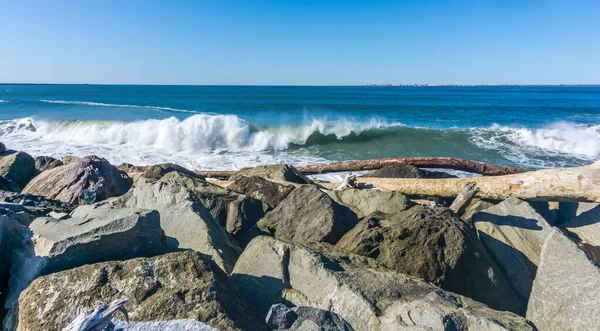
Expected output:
(99, 104)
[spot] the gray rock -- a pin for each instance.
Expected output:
(182, 285)
(583, 225)
(101, 235)
(365, 202)
(17, 167)
(280, 317)
(259, 188)
(66, 183)
(357, 289)
(155, 172)
(308, 215)
(513, 233)
(66, 159)
(43, 163)
(435, 245)
(171, 325)
(475, 205)
(279, 172)
(310, 318)
(183, 216)
(566, 290)
(407, 171)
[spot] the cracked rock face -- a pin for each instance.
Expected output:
(357, 289)
(566, 290)
(175, 286)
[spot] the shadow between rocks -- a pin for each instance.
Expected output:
(514, 221)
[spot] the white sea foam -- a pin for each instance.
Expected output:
(199, 141)
(519, 144)
(3, 101)
(100, 104)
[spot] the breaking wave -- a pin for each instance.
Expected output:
(100, 104)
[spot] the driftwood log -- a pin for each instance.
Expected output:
(476, 167)
(578, 184)
(463, 198)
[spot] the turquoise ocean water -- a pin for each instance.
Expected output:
(228, 127)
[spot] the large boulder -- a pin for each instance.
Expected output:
(513, 232)
(156, 171)
(257, 187)
(235, 212)
(181, 285)
(84, 181)
(357, 290)
(100, 235)
(43, 163)
(12, 233)
(279, 172)
(2, 148)
(17, 167)
(433, 244)
(398, 170)
(365, 202)
(308, 215)
(186, 221)
(566, 290)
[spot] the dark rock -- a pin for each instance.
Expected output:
(406, 171)
(38, 206)
(43, 163)
(17, 167)
(359, 291)
(433, 244)
(12, 234)
(259, 188)
(7, 185)
(155, 172)
(280, 317)
(308, 215)
(280, 172)
(2, 148)
(183, 285)
(66, 183)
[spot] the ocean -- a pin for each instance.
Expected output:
(229, 127)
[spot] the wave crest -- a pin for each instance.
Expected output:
(100, 104)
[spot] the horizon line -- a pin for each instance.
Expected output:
(317, 85)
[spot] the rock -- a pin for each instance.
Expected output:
(43, 163)
(11, 235)
(182, 285)
(584, 227)
(183, 216)
(235, 212)
(2, 148)
(17, 167)
(155, 172)
(566, 290)
(365, 202)
(9, 186)
(475, 205)
(58, 216)
(513, 233)
(259, 188)
(280, 317)
(66, 159)
(308, 215)
(433, 244)
(172, 325)
(406, 171)
(357, 290)
(87, 176)
(38, 206)
(100, 235)
(279, 172)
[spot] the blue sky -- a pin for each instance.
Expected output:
(300, 42)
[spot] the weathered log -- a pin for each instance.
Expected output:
(99, 318)
(420, 162)
(477, 167)
(578, 184)
(463, 198)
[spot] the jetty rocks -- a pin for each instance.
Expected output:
(271, 249)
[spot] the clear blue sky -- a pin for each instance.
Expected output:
(317, 42)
